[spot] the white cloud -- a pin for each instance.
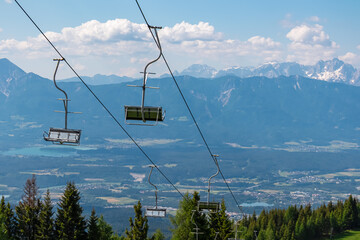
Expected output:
(228, 50)
(287, 21)
(351, 58)
(114, 37)
(310, 44)
(1, 30)
(312, 35)
(314, 19)
(143, 142)
(186, 32)
(121, 38)
(110, 31)
(8, 1)
(79, 67)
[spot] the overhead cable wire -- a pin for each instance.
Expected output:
(98, 99)
(189, 109)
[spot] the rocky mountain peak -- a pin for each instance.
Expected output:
(9, 73)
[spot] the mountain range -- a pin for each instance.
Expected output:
(333, 70)
(292, 112)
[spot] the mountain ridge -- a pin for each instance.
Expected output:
(232, 111)
(333, 70)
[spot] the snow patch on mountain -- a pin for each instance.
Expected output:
(328, 75)
(225, 96)
(200, 71)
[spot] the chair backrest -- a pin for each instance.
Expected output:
(150, 113)
(63, 136)
(210, 206)
(155, 212)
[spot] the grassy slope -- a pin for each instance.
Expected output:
(349, 235)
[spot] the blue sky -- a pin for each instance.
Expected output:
(109, 37)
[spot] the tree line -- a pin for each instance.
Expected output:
(35, 218)
(302, 223)
(293, 223)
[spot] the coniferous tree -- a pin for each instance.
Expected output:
(158, 235)
(2, 227)
(70, 224)
(270, 232)
(214, 225)
(28, 211)
(46, 229)
(250, 230)
(199, 220)
(350, 213)
(224, 223)
(182, 221)
(105, 229)
(310, 226)
(261, 235)
(139, 227)
(300, 229)
(8, 220)
(262, 220)
(93, 227)
(282, 232)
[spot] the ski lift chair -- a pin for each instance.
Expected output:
(144, 113)
(63, 136)
(208, 206)
(196, 228)
(155, 212)
(140, 115)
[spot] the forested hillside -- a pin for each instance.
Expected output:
(36, 218)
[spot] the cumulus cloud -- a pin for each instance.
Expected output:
(351, 58)
(114, 37)
(309, 44)
(122, 37)
(110, 31)
(186, 32)
(8, 1)
(312, 35)
(228, 49)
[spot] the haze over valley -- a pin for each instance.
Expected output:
(282, 140)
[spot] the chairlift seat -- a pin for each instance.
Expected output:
(150, 113)
(210, 206)
(155, 212)
(63, 136)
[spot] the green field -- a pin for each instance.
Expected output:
(349, 235)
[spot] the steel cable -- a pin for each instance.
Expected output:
(97, 98)
(189, 110)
